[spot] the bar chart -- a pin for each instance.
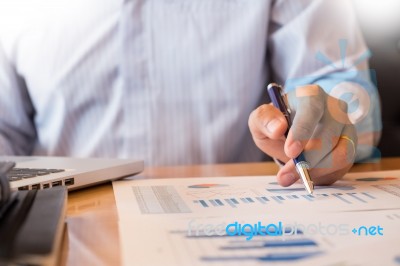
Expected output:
(252, 194)
(341, 197)
(235, 250)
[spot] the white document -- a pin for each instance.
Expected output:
(327, 240)
(183, 221)
(246, 195)
(380, 252)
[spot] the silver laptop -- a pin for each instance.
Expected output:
(45, 172)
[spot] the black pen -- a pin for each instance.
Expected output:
(278, 99)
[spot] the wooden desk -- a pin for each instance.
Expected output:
(92, 221)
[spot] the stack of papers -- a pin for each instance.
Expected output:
(251, 220)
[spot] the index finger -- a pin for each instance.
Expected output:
(309, 102)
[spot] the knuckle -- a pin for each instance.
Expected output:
(252, 126)
(259, 115)
(327, 180)
(251, 118)
(341, 153)
(318, 91)
(344, 154)
(343, 105)
(262, 109)
(256, 113)
(331, 133)
(316, 106)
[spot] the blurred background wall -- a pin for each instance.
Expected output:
(380, 23)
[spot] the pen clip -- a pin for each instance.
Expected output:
(279, 100)
(285, 101)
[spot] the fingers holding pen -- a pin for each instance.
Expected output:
(333, 166)
(267, 122)
(287, 175)
(268, 126)
(309, 103)
(320, 128)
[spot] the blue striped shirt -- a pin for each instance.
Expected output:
(167, 81)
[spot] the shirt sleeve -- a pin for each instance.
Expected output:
(319, 42)
(17, 131)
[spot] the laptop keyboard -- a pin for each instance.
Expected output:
(23, 173)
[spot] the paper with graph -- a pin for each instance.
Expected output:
(247, 195)
(251, 220)
(326, 240)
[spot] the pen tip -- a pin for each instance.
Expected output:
(302, 169)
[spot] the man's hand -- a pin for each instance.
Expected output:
(321, 127)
